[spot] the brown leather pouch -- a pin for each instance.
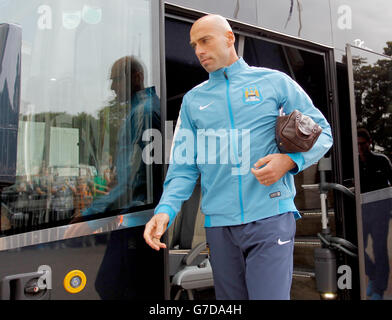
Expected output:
(296, 132)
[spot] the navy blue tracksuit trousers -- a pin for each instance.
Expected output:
(254, 260)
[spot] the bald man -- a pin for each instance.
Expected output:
(249, 212)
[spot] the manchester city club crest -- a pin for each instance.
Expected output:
(252, 94)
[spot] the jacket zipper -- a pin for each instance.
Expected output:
(235, 146)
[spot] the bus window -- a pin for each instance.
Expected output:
(88, 93)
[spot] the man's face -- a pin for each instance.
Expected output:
(363, 146)
(119, 85)
(211, 46)
(123, 85)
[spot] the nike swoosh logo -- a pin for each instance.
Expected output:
(206, 106)
(282, 242)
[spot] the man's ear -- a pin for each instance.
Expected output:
(230, 38)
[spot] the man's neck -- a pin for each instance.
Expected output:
(232, 60)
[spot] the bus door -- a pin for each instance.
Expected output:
(73, 212)
(370, 84)
(312, 66)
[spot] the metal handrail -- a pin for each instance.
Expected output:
(326, 238)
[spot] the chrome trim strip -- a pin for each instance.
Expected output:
(376, 195)
(75, 230)
(371, 51)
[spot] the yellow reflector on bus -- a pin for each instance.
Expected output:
(75, 281)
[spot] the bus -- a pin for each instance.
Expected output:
(90, 93)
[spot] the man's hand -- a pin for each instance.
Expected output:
(276, 166)
(154, 230)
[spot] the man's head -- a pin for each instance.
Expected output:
(213, 41)
(127, 77)
(364, 141)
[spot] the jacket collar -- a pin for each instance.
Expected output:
(230, 70)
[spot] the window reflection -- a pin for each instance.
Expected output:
(87, 98)
(307, 19)
(123, 184)
(375, 168)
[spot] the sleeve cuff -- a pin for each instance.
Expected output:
(164, 208)
(299, 160)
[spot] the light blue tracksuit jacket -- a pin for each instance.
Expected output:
(237, 108)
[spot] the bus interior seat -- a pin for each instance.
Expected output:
(189, 263)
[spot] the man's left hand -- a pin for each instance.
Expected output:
(276, 165)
